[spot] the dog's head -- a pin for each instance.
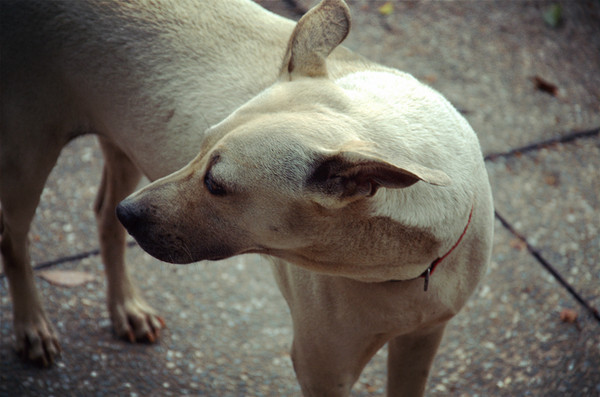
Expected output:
(288, 174)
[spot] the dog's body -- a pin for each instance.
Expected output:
(148, 79)
(332, 170)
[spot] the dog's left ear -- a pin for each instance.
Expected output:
(317, 33)
(351, 175)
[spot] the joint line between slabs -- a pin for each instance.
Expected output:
(69, 258)
(532, 250)
(548, 266)
(573, 136)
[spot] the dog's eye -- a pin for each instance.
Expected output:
(212, 186)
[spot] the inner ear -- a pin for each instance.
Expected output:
(349, 176)
(316, 35)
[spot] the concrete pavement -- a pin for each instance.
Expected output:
(229, 330)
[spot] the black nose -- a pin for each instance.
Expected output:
(128, 216)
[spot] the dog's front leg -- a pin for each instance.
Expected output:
(332, 342)
(409, 360)
(131, 316)
(328, 361)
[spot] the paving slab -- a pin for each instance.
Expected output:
(552, 197)
(229, 330)
(64, 222)
(228, 335)
(484, 55)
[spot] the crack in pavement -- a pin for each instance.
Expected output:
(548, 266)
(570, 137)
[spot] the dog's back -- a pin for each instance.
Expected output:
(77, 64)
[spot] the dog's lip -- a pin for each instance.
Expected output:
(218, 257)
(253, 250)
(187, 258)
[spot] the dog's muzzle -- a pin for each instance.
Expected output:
(139, 222)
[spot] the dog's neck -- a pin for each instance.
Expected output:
(429, 271)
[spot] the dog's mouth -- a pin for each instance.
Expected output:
(165, 249)
(180, 252)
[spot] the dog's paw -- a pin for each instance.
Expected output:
(135, 321)
(37, 341)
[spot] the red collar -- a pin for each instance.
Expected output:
(429, 271)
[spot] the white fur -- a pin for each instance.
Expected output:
(290, 174)
(417, 124)
(295, 169)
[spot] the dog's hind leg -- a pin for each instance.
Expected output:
(24, 166)
(409, 360)
(131, 316)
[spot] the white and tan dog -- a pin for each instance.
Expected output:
(359, 181)
(355, 178)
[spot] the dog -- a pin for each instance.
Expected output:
(359, 182)
(147, 78)
(261, 136)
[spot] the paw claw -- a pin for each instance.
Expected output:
(130, 336)
(135, 321)
(37, 343)
(150, 337)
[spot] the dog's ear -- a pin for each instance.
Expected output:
(317, 33)
(347, 176)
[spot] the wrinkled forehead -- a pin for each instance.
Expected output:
(266, 150)
(279, 134)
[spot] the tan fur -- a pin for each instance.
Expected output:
(350, 176)
(148, 79)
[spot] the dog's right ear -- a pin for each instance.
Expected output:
(341, 178)
(317, 33)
